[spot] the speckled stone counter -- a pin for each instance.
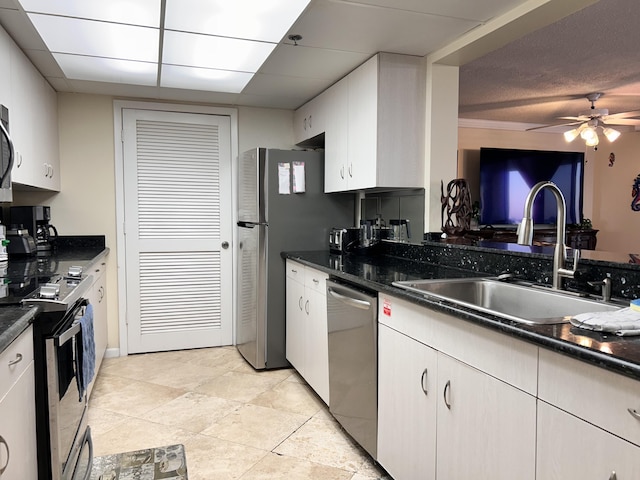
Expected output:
(21, 273)
(379, 270)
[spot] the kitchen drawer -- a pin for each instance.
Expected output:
(295, 270)
(20, 349)
(506, 358)
(316, 280)
(594, 394)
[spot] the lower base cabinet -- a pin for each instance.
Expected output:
(486, 428)
(569, 447)
(407, 399)
(18, 449)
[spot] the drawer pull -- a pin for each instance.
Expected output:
(317, 282)
(18, 359)
(447, 388)
(634, 413)
(4, 467)
(423, 381)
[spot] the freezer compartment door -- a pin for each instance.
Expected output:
(251, 186)
(251, 288)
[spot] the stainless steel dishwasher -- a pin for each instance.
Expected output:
(353, 361)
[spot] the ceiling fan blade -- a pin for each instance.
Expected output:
(553, 125)
(624, 115)
(577, 119)
(622, 121)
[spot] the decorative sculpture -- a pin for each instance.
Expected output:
(457, 204)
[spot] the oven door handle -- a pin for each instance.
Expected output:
(69, 334)
(89, 441)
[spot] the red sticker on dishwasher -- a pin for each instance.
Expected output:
(386, 307)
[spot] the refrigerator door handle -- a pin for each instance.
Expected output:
(243, 224)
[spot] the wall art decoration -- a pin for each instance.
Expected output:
(635, 193)
(612, 159)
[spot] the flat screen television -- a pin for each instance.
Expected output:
(507, 175)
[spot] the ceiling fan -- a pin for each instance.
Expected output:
(588, 122)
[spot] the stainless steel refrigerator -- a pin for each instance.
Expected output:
(271, 221)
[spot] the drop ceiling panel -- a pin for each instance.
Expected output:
(464, 9)
(368, 29)
(270, 101)
(17, 24)
(301, 61)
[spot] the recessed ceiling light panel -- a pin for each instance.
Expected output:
(134, 12)
(97, 39)
(205, 79)
(267, 21)
(78, 67)
(222, 53)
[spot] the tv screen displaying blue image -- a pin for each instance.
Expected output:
(507, 175)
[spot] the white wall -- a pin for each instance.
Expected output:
(86, 203)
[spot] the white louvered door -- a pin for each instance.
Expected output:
(177, 184)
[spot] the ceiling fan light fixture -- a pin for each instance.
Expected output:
(611, 133)
(592, 141)
(571, 135)
(588, 133)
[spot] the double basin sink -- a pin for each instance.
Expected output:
(528, 304)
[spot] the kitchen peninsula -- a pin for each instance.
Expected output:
(514, 400)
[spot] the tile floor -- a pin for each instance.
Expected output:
(235, 422)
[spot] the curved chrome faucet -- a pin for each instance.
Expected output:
(525, 232)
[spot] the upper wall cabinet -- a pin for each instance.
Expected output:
(33, 121)
(373, 121)
(309, 119)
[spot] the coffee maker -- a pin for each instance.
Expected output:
(36, 220)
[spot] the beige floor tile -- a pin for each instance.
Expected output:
(275, 466)
(256, 426)
(320, 441)
(290, 397)
(135, 367)
(135, 399)
(137, 434)
(185, 376)
(193, 411)
(210, 458)
(106, 383)
(101, 421)
(242, 387)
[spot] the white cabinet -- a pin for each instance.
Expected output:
(485, 427)
(18, 449)
(98, 299)
(384, 133)
(569, 447)
(336, 139)
(407, 399)
(481, 384)
(33, 120)
(307, 339)
(309, 119)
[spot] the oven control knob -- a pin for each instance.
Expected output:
(75, 272)
(49, 291)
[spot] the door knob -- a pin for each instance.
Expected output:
(225, 245)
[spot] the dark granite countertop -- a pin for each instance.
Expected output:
(377, 272)
(21, 273)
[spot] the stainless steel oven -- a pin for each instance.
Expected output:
(65, 450)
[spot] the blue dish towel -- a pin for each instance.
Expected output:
(88, 349)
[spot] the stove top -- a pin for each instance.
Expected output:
(58, 292)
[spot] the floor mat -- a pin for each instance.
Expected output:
(159, 463)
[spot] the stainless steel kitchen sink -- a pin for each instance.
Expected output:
(521, 303)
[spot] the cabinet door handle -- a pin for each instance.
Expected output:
(316, 281)
(310, 116)
(300, 303)
(342, 172)
(613, 476)
(447, 389)
(351, 170)
(634, 413)
(293, 270)
(18, 359)
(423, 381)
(306, 307)
(6, 446)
